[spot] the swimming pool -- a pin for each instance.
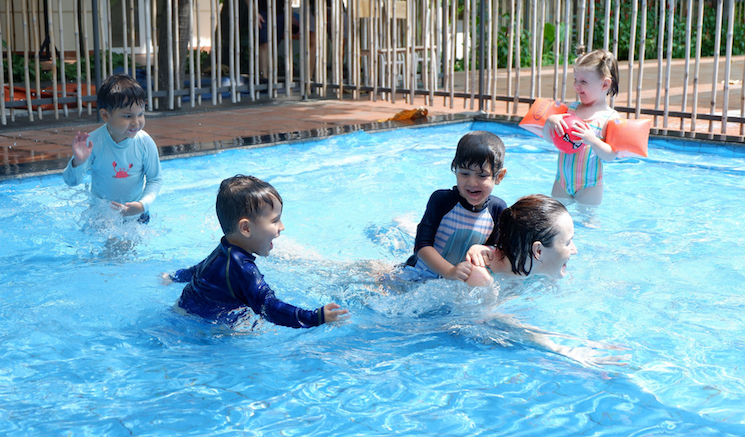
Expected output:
(90, 344)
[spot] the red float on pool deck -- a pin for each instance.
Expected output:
(569, 143)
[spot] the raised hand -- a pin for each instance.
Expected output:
(81, 148)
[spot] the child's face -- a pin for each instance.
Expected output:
(590, 86)
(475, 183)
(264, 229)
(124, 123)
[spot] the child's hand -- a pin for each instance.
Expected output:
(556, 124)
(460, 271)
(81, 148)
(585, 133)
(129, 208)
(480, 255)
(166, 278)
(332, 313)
(480, 277)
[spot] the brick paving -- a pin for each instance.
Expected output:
(44, 145)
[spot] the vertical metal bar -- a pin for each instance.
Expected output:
(699, 33)
(148, 45)
(102, 29)
(52, 49)
(472, 52)
(567, 38)
(190, 47)
(27, 76)
(728, 62)
(132, 29)
(125, 27)
(177, 80)
(76, 26)
(109, 38)
(518, 61)
(660, 47)
(86, 53)
(581, 22)
(169, 52)
(669, 58)
(557, 51)
(632, 46)
(606, 32)
(3, 115)
(533, 44)
(541, 27)
(63, 73)
(591, 26)
(686, 74)
(10, 39)
(482, 55)
(35, 43)
(510, 48)
(714, 82)
(642, 47)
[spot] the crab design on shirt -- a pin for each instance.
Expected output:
(121, 172)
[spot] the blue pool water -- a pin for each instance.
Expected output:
(90, 344)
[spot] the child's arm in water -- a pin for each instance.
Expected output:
(442, 267)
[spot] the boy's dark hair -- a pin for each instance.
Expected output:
(120, 91)
(243, 197)
(477, 148)
(532, 218)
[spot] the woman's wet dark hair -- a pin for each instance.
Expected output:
(120, 91)
(532, 218)
(243, 197)
(477, 148)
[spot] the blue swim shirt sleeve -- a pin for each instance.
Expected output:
(260, 297)
(440, 202)
(496, 206)
(151, 169)
(74, 175)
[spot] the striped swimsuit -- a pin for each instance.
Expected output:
(583, 169)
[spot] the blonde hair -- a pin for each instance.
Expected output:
(602, 62)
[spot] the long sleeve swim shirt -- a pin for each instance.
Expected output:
(451, 225)
(120, 172)
(227, 281)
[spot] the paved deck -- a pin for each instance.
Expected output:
(44, 146)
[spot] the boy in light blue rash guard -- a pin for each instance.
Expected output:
(465, 215)
(227, 284)
(122, 158)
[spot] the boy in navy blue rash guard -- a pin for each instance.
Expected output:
(228, 281)
(465, 215)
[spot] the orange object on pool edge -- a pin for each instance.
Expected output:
(569, 143)
(539, 111)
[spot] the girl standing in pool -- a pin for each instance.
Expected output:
(580, 175)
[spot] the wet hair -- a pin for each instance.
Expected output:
(532, 218)
(120, 91)
(477, 148)
(601, 62)
(242, 197)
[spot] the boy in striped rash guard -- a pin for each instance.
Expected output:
(465, 215)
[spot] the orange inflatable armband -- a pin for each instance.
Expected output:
(539, 111)
(628, 137)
